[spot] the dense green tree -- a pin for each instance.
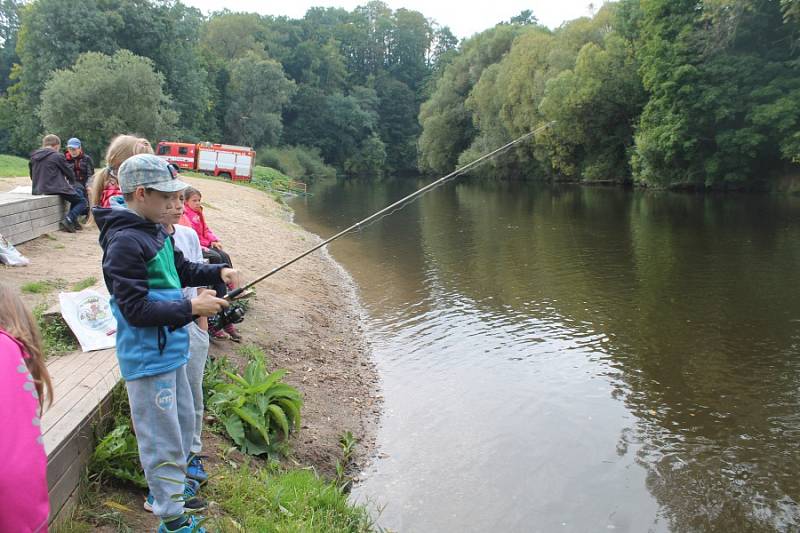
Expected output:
(256, 92)
(398, 126)
(102, 96)
(343, 127)
(9, 28)
(724, 93)
(227, 36)
(603, 93)
(447, 127)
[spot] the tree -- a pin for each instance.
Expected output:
(525, 16)
(47, 42)
(9, 28)
(398, 126)
(257, 92)
(447, 127)
(603, 93)
(724, 88)
(102, 96)
(228, 36)
(343, 127)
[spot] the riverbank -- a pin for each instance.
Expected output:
(306, 319)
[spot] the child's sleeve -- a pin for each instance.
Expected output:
(66, 168)
(196, 274)
(210, 234)
(126, 272)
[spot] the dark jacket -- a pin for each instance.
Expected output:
(83, 164)
(50, 172)
(144, 273)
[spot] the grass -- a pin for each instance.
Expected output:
(43, 287)
(13, 167)
(56, 335)
(273, 499)
(251, 496)
(84, 284)
(265, 179)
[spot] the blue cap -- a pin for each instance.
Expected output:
(150, 171)
(74, 143)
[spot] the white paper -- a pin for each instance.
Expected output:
(88, 314)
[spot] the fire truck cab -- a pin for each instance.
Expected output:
(182, 155)
(233, 162)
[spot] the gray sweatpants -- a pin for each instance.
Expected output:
(198, 353)
(162, 410)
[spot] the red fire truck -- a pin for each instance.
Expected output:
(233, 162)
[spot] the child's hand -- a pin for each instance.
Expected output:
(231, 277)
(207, 304)
(216, 245)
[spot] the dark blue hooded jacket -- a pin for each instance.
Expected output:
(144, 273)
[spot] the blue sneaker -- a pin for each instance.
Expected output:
(192, 525)
(191, 501)
(195, 470)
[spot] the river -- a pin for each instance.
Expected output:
(577, 359)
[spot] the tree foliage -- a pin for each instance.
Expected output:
(347, 84)
(126, 94)
(675, 93)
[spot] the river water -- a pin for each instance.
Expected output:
(577, 359)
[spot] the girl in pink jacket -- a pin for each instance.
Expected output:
(212, 248)
(24, 383)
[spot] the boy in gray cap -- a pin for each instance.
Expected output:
(144, 274)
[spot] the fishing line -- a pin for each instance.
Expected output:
(392, 208)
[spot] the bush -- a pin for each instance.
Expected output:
(256, 409)
(298, 162)
(117, 456)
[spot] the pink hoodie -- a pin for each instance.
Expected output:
(197, 222)
(24, 504)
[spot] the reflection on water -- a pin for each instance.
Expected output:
(578, 359)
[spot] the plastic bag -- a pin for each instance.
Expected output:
(88, 314)
(10, 255)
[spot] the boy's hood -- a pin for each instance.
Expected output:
(114, 219)
(42, 153)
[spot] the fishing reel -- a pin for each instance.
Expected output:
(230, 315)
(234, 314)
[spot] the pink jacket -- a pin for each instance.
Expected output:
(198, 223)
(24, 504)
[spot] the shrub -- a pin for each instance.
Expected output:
(256, 408)
(298, 162)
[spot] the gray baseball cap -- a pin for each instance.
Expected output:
(147, 170)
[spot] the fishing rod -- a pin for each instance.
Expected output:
(238, 313)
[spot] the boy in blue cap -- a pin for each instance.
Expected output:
(82, 168)
(144, 274)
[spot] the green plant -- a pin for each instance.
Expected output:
(84, 283)
(251, 352)
(347, 443)
(56, 335)
(299, 162)
(256, 408)
(214, 375)
(272, 498)
(43, 287)
(116, 456)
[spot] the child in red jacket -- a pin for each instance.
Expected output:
(212, 249)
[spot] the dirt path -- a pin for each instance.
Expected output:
(305, 318)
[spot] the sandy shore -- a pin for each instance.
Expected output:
(306, 318)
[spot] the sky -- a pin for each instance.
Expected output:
(464, 18)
